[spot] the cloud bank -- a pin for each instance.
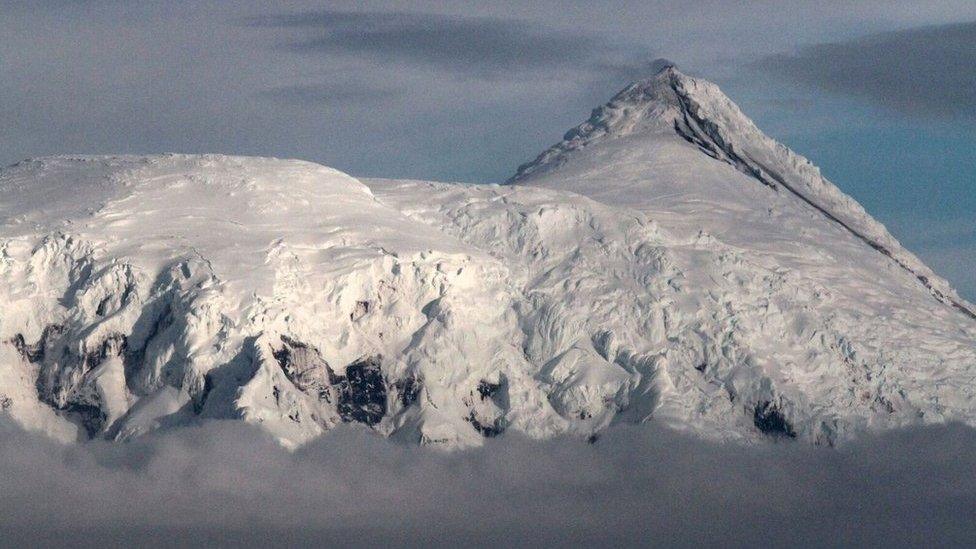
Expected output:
(479, 45)
(927, 70)
(227, 484)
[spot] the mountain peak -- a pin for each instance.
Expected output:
(651, 103)
(661, 64)
(671, 112)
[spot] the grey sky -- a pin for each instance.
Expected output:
(464, 91)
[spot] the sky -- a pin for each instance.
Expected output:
(880, 94)
(228, 484)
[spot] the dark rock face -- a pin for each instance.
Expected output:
(409, 390)
(304, 366)
(114, 345)
(487, 416)
(362, 309)
(362, 393)
(92, 418)
(489, 430)
(31, 353)
(35, 353)
(201, 399)
(63, 380)
(5, 402)
(768, 418)
(488, 389)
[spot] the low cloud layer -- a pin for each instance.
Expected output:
(926, 70)
(226, 483)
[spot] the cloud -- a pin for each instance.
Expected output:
(473, 45)
(226, 483)
(927, 70)
(477, 61)
(335, 93)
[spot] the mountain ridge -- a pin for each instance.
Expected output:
(632, 277)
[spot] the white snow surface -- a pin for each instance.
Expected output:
(665, 261)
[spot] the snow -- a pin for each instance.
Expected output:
(665, 261)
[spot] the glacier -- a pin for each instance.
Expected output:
(666, 261)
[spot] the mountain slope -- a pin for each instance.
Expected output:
(144, 292)
(665, 261)
(670, 104)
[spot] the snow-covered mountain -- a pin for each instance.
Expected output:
(666, 260)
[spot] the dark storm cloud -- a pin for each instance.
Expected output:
(482, 45)
(927, 70)
(227, 484)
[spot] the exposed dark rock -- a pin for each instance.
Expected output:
(35, 352)
(114, 345)
(488, 389)
(769, 419)
(201, 399)
(409, 390)
(362, 309)
(59, 390)
(304, 366)
(31, 353)
(92, 418)
(63, 373)
(127, 294)
(884, 403)
(6, 402)
(362, 393)
(495, 428)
